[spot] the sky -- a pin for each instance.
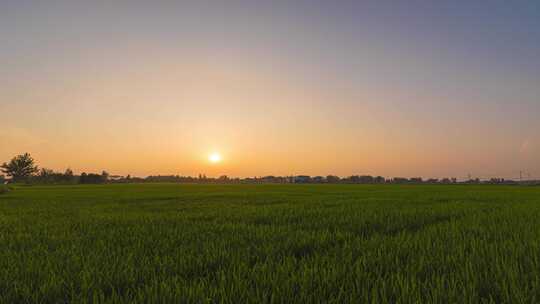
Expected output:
(391, 88)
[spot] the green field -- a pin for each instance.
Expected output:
(163, 243)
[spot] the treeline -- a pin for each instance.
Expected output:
(22, 169)
(48, 176)
(305, 179)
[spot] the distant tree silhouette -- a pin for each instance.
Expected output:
(416, 180)
(92, 178)
(69, 174)
(20, 168)
(332, 179)
(83, 178)
(318, 180)
(302, 179)
(400, 180)
(105, 175)
(379, 180)
(46, 175)
(367, 179)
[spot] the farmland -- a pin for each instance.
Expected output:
(270, 243)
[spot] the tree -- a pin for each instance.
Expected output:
(20, 168)
(379, 180)
(68, 176)
(92, 178)
(68, 173)
(46, 175)
(105, 176)
(83, 179)
(332, 179)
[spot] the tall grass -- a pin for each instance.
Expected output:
(270, 244)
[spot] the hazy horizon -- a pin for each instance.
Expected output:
(311, 87)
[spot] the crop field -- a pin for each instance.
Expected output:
(170, 243)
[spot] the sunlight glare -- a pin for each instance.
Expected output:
(214, 158)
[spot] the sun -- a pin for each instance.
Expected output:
(214, 158)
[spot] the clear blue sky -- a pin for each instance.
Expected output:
(431, 88)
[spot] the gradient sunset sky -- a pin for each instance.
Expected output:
(392, 88)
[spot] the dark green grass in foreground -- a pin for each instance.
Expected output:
(270, 244)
